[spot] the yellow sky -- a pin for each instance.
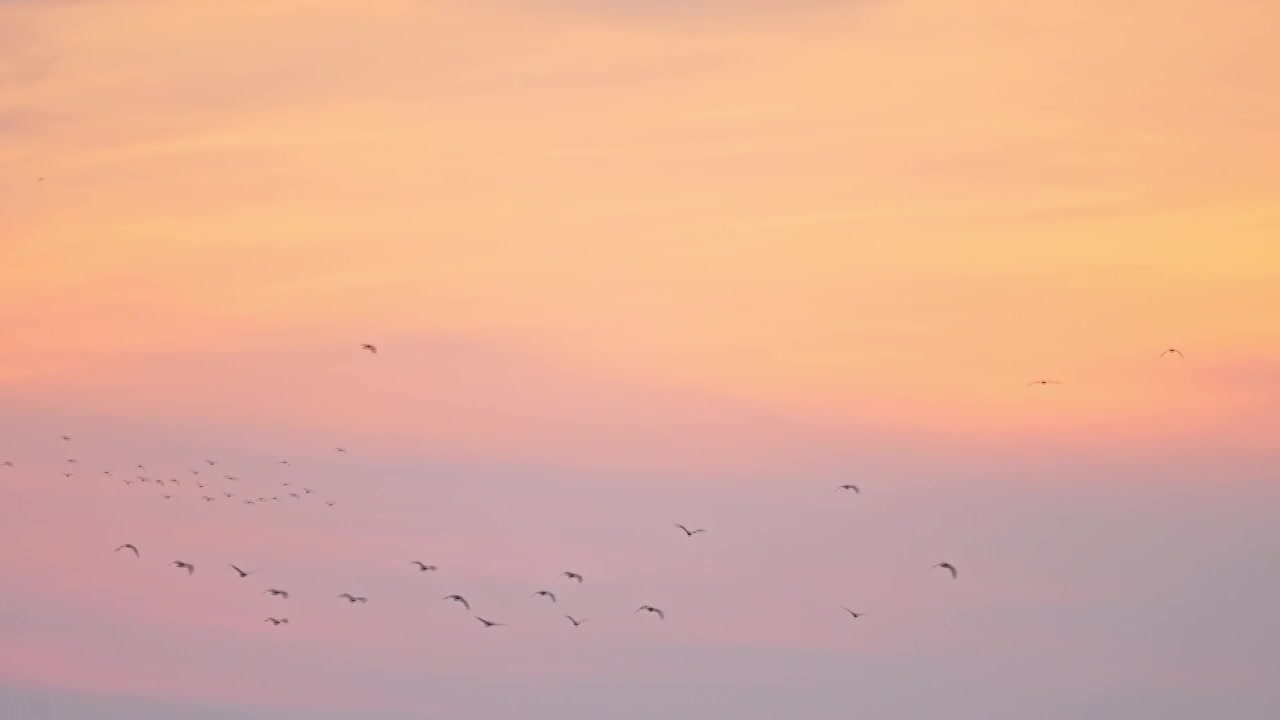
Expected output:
(901, 210)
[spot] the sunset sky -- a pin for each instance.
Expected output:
(632, 263)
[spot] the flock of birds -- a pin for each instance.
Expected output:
(421, 566)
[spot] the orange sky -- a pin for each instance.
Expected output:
(618, 235)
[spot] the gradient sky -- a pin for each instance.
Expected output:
(632, 263)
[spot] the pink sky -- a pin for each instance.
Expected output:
(631, 264)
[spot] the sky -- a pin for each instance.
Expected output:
(630, 264)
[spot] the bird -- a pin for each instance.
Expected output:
(212, 462)
(206, 498)
(228, 494)
(232, 478)
(187, 566)
(295, 496)
(67, 474)
(854, 488)
(277, 621)
(949, 567)
(106, 472)
(167, 497)
(458, 599)
(373, 349)
(199, 484)
(341, 450)
(547, 593)
(72, 461)
(282, 594)
(352, 598)
(248, 502)
(1044, 382)
(654, 610)
(423, 567)
(572, 576)
(282, 462)
(143, 468)
(1173, 351)
(576, 622)
(307, 490)
(689, 532)
(9, 463)
(195, 472)
(129, 546)
(489, 623)
(243, 573)
(65, 437)
(854, 614)
(328, 503)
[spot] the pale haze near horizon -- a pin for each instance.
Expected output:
(632, 264)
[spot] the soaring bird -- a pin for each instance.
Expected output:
(423, 567)
(106, 472)
(9, 463)
(854, 614)
(328, 503)
(371, 348)
(243, 573)
(167, 497)
(575, 621)
(212, 462)
(689, 532)
(72, 461)
(248, 502)
(652, 609)
(295, 496)
(547, 593)
(1044, 382)
(232, 478)
(854, 488)
(227, 494)
(1173, 351)
(129, 546)
(65, 437)
(282, 462)
(143, 468)
(67, 474)
(950, 568)
(282, 594)
(187, 566)
(572, 576)
(307, 490)
(458, 599)
(489, 623)
(277, 621)
(195, 472)
(206, 498)
(352, 598)
(341, 450)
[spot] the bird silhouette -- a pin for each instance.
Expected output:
(227, 494)
(423, 567)
(185, 566)
(72, 461)
(950, 568)
(211, 462)
(67, 474)
(341, 450)
(489, 623)
(458, 599)
(547, 593)
(1173, 351)
(129, 546)
(854, 488)
(576, 622)
(689, 532)
(352, 598)
(277, 621)
(65, 437)
(371, 348)
(572, 576)
(649, 608)
(1044, 382)
(9, 463)
(854, 614)
(243, 573)
(206, 498)
(328, 503)
(282, 594)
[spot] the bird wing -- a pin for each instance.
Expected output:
(661, 615)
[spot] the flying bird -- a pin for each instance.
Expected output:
(489, 623)
(67, 474)
(328, 503)
(652, 609)
(282, 594)
(950, 568)
(212, 462)
(341, 450)
(423, 567)
(572, 576)
(228, 494)
(854, 614)
(167, 497)
(854, 488)
(9, 463)
(1044, 382)
(352, 598)
(186, 566)
(576, 622)
(129, 546)
(295, 496)
(243, 573)
(371, 348)
(277, 621)
(65, 437)
(282, 462)
(1173, 351)
(689, 532)
(307, 490)
(207, 498)
(72, 461)
(547, 593)
(458, 599)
